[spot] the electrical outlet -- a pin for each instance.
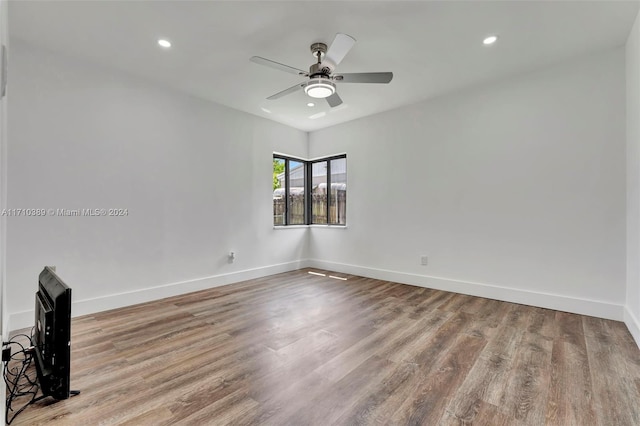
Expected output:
(424, 260)
(6, 354)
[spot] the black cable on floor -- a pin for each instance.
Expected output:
(17, 379)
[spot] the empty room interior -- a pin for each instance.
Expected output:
(320, 213)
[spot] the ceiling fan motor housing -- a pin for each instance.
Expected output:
(319, 70)
(319, 50)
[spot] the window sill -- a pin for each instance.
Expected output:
(290, 227)
(309, 226)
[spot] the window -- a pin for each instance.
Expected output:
(309, 192)
(338, 191)
(278, 191)
(329, 191)
(319, 192)
(296, 204)
(289, 185)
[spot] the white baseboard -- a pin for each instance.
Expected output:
(543, 300)
(24, 319)
(632, 323)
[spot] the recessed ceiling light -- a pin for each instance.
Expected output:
(268, 111)
(310, 104)
(164, 43)
(490, 40)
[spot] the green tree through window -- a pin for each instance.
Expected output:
(278, 168)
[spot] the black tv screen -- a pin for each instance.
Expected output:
(52, 335)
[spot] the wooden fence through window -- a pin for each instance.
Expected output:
(337, 209)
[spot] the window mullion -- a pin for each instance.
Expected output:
(286, 191)
(307, 192)
(328, 192)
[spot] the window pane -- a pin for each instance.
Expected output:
(319, 191)
(278, 191)
(338, 198)
(296, 193)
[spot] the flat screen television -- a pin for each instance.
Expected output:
(52, 335)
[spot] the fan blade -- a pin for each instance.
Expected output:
(277, 65)
(286, 91)
(365, 77)
(341, 45)
(334, 100)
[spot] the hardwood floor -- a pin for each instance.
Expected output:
(301, 349)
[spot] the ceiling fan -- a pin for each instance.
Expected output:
(321, 80)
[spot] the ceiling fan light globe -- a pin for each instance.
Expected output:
(320, 88)
(319, 92)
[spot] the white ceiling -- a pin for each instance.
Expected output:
(431, 47)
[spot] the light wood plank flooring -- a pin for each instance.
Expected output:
(300, 349)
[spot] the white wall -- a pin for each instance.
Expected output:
(515, 190)
(4, 40)
(194, 176)
(632, 311)
(4, 324)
